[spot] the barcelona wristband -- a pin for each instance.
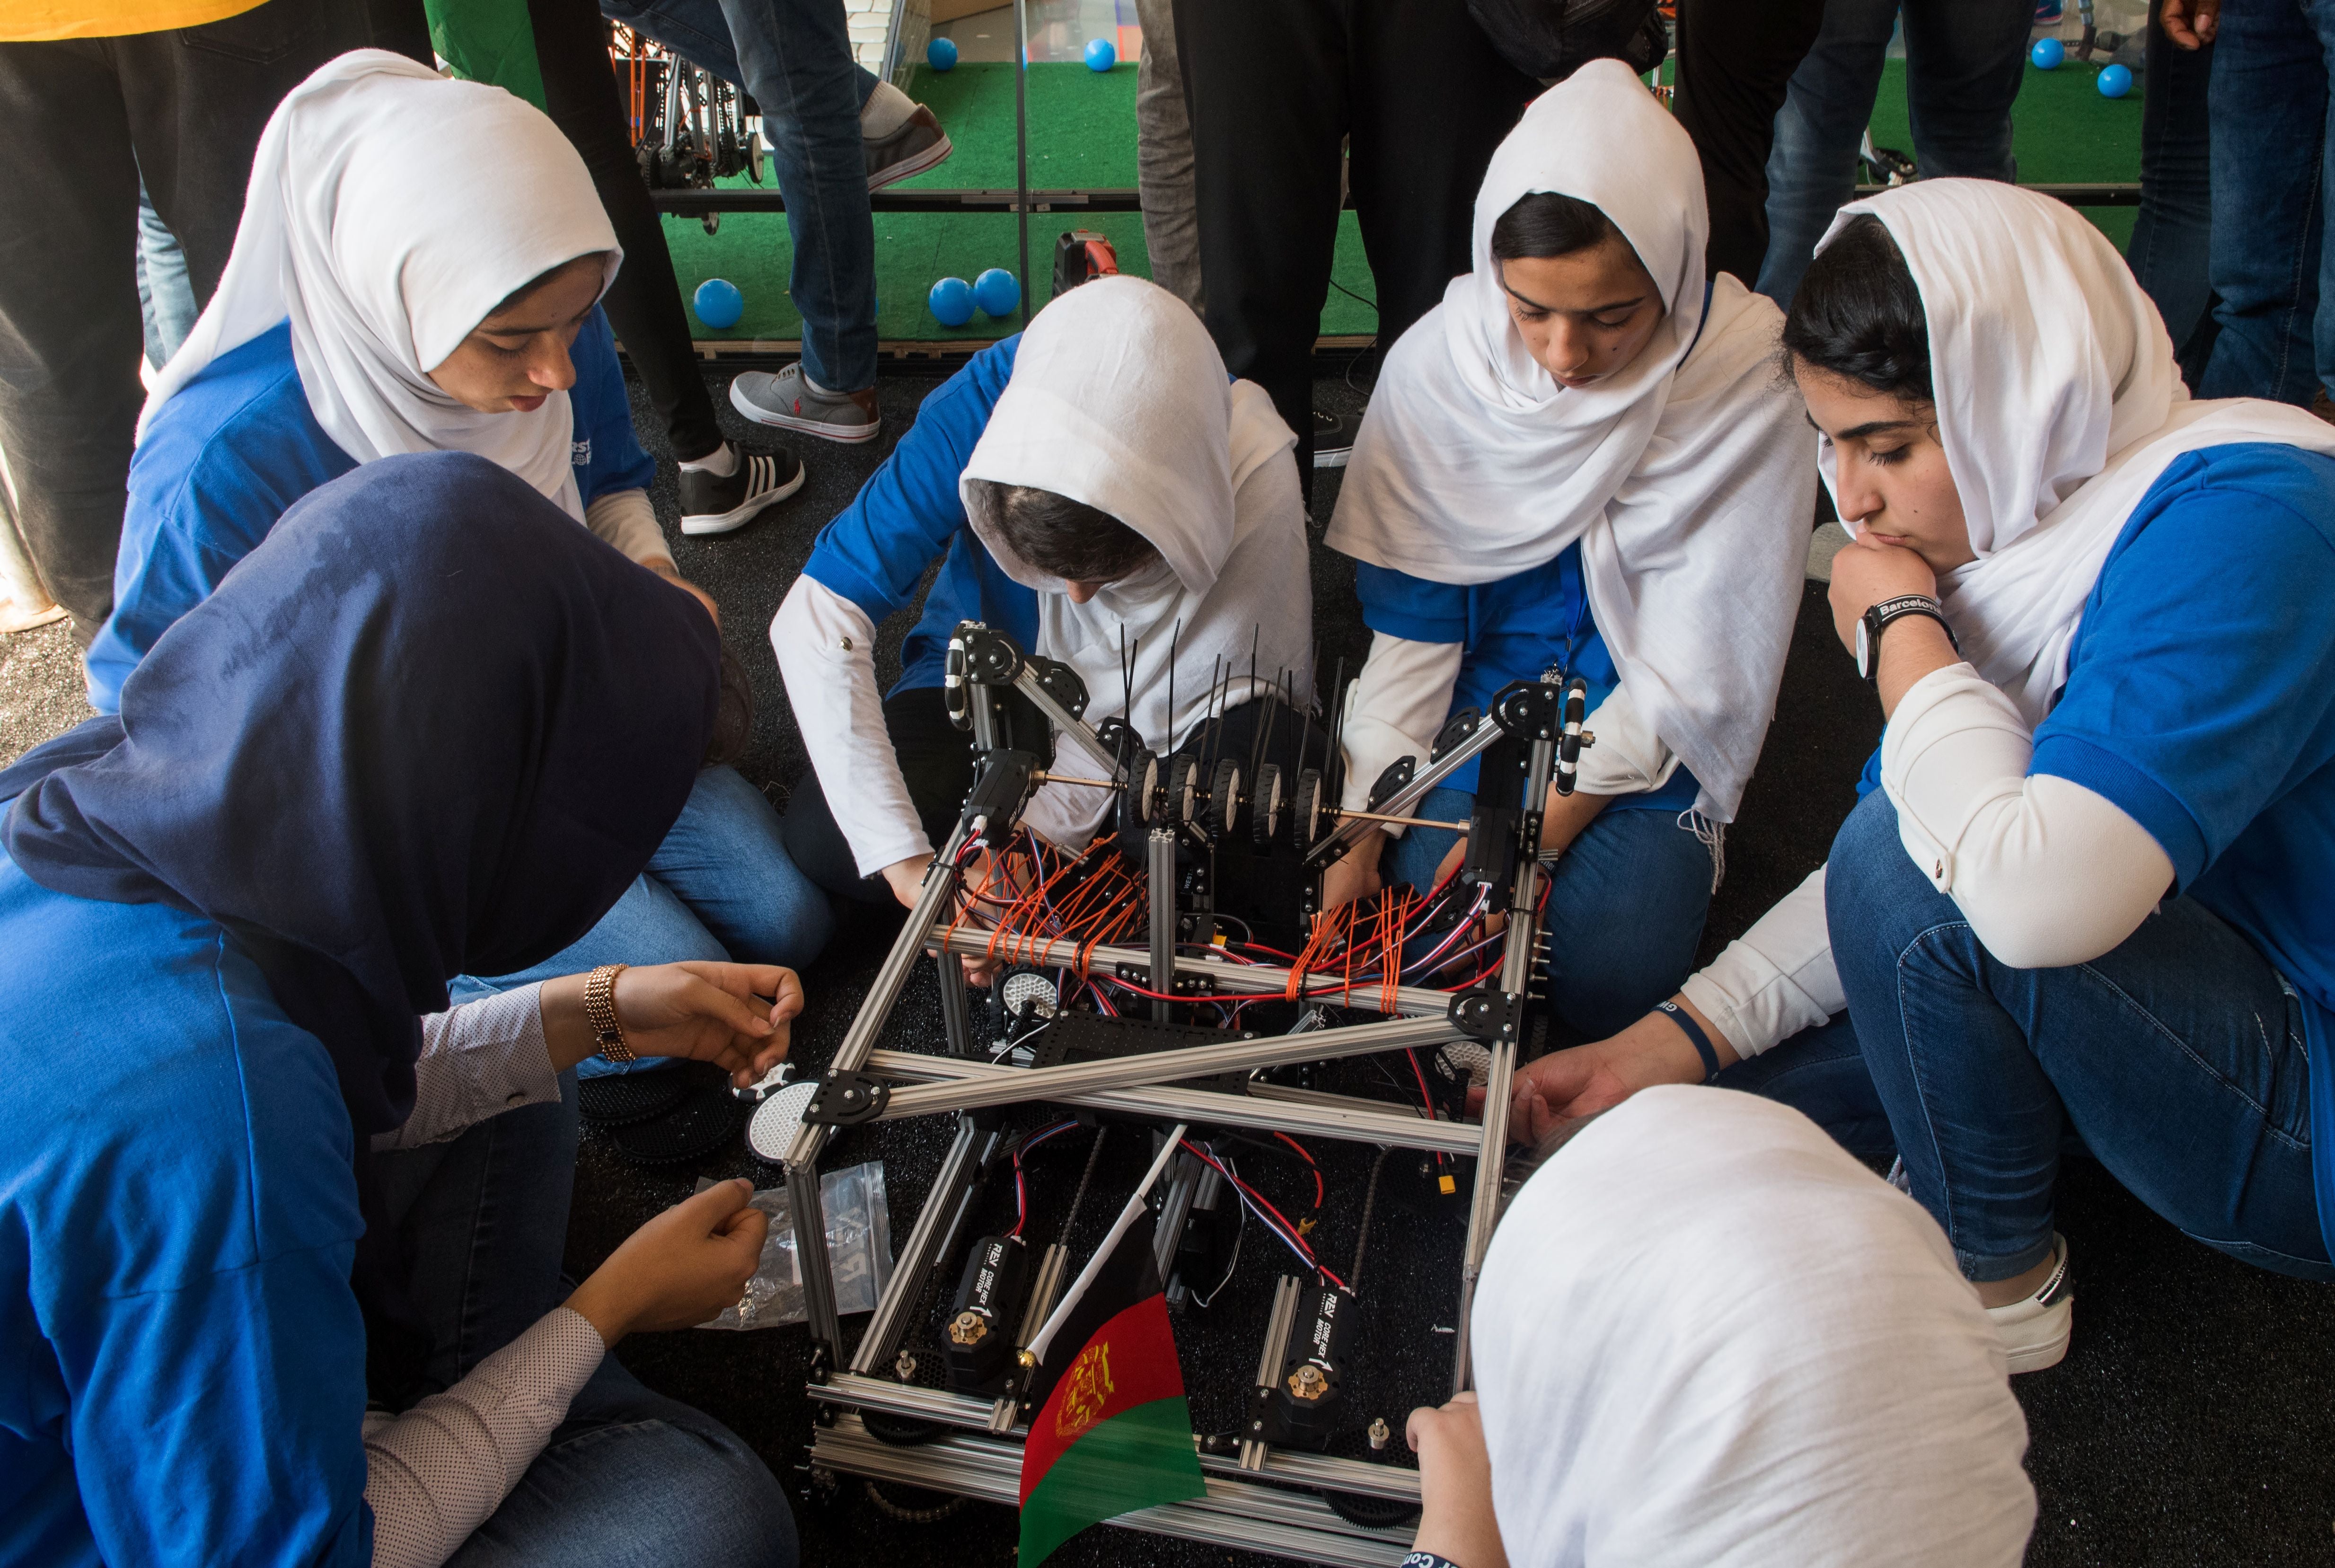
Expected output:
(1700, 1042)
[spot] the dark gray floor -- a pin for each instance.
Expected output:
(2193, 1421)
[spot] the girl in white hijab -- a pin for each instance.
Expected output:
(1582, 461)
(2086, 887)
(418, 270)
(1097, 485)
(1704, 1334)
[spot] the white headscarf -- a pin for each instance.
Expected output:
(1120, 399)
(389, 211)
(1706, 1335)
(1475, 464)
(2058, 406)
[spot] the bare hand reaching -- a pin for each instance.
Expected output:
(679, 1269)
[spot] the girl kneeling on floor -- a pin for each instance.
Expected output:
(418, 270)
(280, 1277)
(2085, 890)
(1582, 461)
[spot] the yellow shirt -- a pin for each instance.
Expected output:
(26, 21)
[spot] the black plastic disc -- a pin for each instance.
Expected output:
(1370, 1513)
(631, 1097)
(705, 1119)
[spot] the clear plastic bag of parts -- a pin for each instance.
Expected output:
(858, 1250)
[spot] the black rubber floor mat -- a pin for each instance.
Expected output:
(706, 1118)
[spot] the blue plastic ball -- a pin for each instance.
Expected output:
(1101, 55)
(951, 302)
(997, 292)
(941, 53)
(2048, 53)
(719, 303)
(2116, 82)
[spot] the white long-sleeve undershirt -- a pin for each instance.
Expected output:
(826, 646)
(1403, 696)
(434, 1474)
(626, 520)
(2047, 872)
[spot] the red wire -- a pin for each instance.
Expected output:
(1288, 1231)
(1308, 1158)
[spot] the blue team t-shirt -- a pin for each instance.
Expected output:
(238, 444)
(1515, 629)
(877, 549)
(182, 1357)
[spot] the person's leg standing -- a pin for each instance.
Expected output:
(2268, 102)
(2177, 1058)
(1734, 60)
(1812, 168)
(1432, 101)
(1626, 906)
(2170, 235)
(1163, 160)
(643, 303)
(69, 334)
(166, 301)
(1266, 84)
(796, 60)
(1964, 62)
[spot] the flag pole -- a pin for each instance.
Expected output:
(1036, 1351)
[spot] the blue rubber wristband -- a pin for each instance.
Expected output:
(1701, 1041)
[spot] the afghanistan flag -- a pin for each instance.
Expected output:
(1112, 1432)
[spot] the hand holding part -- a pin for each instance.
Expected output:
(1455, 1485)
(679, 1269)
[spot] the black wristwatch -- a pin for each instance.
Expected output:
(1869, 626)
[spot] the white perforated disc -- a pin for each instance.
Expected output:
(774, 1127)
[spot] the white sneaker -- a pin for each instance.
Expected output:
(2035, 1332)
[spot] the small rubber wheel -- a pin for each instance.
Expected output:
(1223, 798)
(1305, 808)
(1265, 804)
(1183, 790)
(1135, 801)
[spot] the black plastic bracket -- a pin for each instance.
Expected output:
(1060, 681)
(1399, 773)
(1485, 1015)
(1532, 710)
(847, 1099)
(991, 659)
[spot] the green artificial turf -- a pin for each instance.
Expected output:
(1082, 135)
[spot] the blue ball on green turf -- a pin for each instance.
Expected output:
(951, 301)
(997, 292)
(941, 53)
(2048, 53)
(1101, 55)
(719, 303)
(2116, 82)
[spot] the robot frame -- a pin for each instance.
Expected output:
(1270, 1497)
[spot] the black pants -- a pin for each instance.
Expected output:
(1735, 65)
(1273, 86)
(1260, 887)
(644, 305)
(81, 119)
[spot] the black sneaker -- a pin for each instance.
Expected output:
(714, 503)
(1334, 439)
(899, 136)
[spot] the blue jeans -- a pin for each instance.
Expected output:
(2272, 186)
(795, 57)
(1626, 905)
(719, 888)
(1963, 60)
(2177, 1058)
(630, 1477)
(2171, 238)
